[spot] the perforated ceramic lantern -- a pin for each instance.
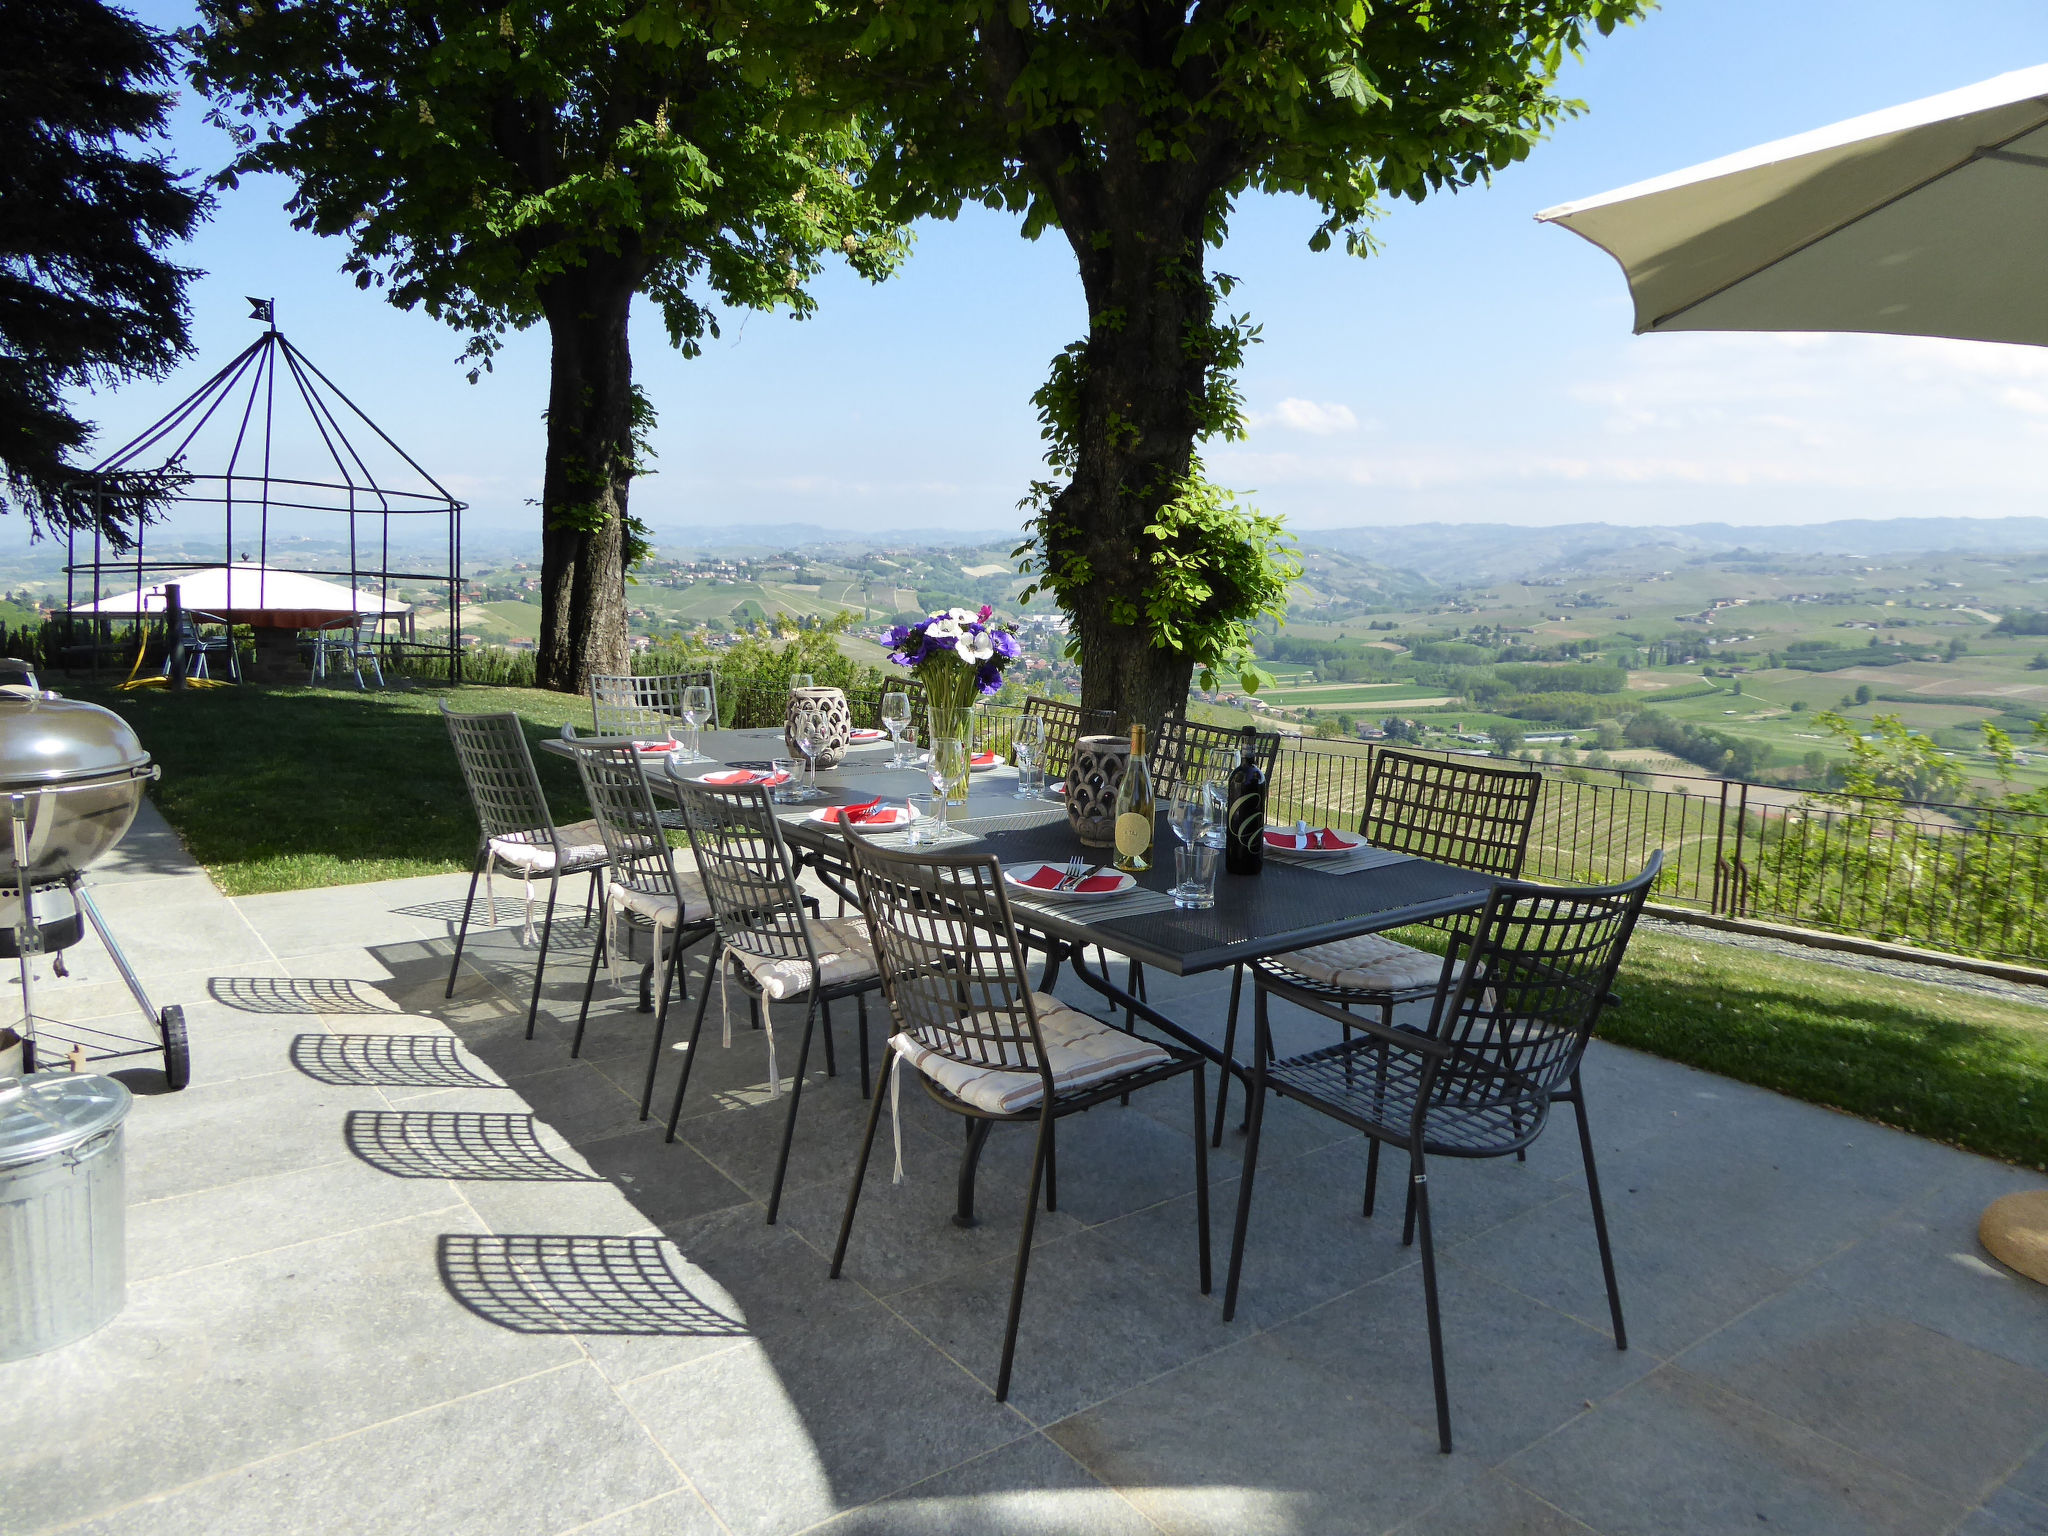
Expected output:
(822, 713)
(1092, 781)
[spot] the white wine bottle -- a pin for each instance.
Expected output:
(1135, 810)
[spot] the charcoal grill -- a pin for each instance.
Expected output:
(72, 776)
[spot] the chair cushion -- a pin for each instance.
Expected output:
(1081, 1051)
(845, 954)
(659, 907)
(1367, 963)
(582, 840)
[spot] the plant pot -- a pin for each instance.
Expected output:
(824, 711)
(1092, 781)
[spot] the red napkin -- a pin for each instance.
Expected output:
(735, 776)
(866, 810)
(864, 734)
(984, 760)
(1324, 838)
(1048, 876)
(657, 746)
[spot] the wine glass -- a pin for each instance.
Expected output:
(1027, 746)
(696, 710)
(799, 680)
(947, 770)
(1215, 795)
(1186, 813)
(895, 716)
(807, 743)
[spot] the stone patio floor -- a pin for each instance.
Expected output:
(395, 1268)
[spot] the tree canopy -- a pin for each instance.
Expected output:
(87, 296)
(1133, 128)
(506, 165)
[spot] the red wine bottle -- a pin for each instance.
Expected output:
(1244, 817)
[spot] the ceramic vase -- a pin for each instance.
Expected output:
(824, 711)
(1092, 781)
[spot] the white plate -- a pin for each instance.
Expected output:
(901, 816)
(1289, 843)
(1019, 878)
(995, 760)
(741, 778)
(863, 737)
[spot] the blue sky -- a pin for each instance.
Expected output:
(1480, 369)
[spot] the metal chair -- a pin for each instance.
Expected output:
(200, 646)
(515, 829)
(1183, 743)
(985, 1046)
(1472, 815)
(1065, 724)
(355, 642)
(646, 707)
(771, 947)
(1514, 1008)
(645, 885)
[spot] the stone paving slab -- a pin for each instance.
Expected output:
(395, 1267)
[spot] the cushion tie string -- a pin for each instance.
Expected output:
(896, 1116)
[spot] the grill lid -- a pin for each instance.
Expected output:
(47, 1113)
(45, 739)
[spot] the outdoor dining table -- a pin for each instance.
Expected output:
(1288, 906)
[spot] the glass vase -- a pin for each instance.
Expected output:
(952, 722)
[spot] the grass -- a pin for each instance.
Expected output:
(283, 789)
(289, 788)
(1956, 1066)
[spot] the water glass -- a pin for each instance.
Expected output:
(791, 789)
(799, 680)
(1194, 868)
(1027, 749)
(1214, 794)
(948, 769)
(927, 817)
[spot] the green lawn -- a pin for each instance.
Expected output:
(289, 788)
(285, 788)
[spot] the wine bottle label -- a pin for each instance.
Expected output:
(1133, 833)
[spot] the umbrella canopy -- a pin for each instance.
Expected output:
(1929, 219)
(254, 594)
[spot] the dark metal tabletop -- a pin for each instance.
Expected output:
(1286, 907)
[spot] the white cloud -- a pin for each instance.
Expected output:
(1326, 418)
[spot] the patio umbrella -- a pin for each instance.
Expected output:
(1929, 219)
(253, 594)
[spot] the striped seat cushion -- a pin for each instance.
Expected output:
(581, 841)
(1081, 1051)
(845, 954)
(1367, 963)
(659, 907)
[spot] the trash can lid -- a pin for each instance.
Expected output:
(48, 1112)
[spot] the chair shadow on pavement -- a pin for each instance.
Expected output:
(386, 1061)
(456, 1144)
(297, 995)
(552, 1283)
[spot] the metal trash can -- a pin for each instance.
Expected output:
(63, 1209)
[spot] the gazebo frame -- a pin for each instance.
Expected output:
(248, 386)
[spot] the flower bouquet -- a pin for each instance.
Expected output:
(959, 656)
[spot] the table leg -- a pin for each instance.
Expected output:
(1134, 1005)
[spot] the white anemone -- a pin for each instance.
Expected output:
(976, 648)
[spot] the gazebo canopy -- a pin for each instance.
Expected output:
(253, 594)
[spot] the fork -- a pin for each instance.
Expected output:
(1073, 875)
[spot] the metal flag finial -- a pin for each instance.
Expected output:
(262, 309)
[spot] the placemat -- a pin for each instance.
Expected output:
(1351, 863)
(1132, 904)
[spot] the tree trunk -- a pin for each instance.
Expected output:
(1135, 442)
(584, 532)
